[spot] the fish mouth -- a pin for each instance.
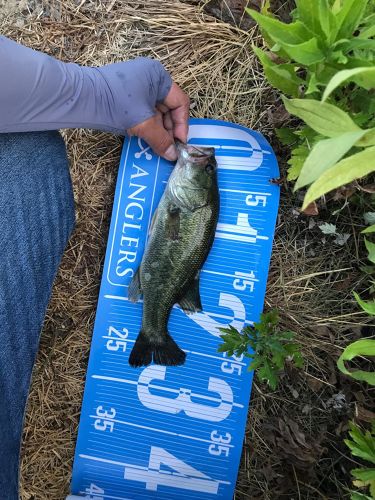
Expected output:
(194, 153)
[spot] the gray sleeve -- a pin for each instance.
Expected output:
(39, 92)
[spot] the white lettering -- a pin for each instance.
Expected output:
(183, 401)
(185, 477)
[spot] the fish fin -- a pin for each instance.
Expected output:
(168, 353)
(191, 302)
(135, 289)
(141, 354)
(165, 353)
(173, 223)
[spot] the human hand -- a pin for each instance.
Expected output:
(169, 122)
(144, 101)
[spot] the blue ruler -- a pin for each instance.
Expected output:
(177, 432)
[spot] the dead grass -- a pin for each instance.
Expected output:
(309, 282)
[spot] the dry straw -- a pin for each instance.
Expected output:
(214, 63)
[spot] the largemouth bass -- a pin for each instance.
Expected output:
(181, 235)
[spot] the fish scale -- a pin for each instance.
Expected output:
(181, 260)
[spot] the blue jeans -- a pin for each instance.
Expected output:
(36, 220)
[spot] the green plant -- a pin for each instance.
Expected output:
(364, 347)
(362, 444)
(368, 306)
(323, 63)
(324, 60)
(270, 347)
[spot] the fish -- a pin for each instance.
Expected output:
(181, 235)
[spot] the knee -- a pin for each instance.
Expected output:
(34, 167)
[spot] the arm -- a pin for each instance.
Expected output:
(38, 92)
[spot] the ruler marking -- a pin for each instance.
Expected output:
(244, 192)
(185, 436)
(216, 357)
(103, 495)
(112, 462)
(116, 297)
(236, 276)
(139, 467)
(167, 389)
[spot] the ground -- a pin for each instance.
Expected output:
(294, 438)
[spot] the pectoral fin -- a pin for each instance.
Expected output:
(191, 302)
(135, 289)
(173, 223)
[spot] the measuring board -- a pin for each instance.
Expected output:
(177, 432)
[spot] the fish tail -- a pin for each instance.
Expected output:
(165, 353)
(168, 353)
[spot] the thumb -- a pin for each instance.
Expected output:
(157, 136)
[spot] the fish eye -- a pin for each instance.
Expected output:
(210, 168)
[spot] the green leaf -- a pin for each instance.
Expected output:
(324, 118)
(359, 44)
(309, 15)
(370, 229)
(324, 155)
(307, 133)
(339, 57)
(295, 39)
(266, 8)
(288, 336)
(358, 451)
(312, 85)
(293, 33)
(372, 489)
(357, 62)
(328, 21)
(267, 373)
(281, 76)
(359, 438)
(369, 307)
(256, 363)
(296, 161)
(364, 474)
(345, 171)
(369, 31)
(368, 139)
(364, 347)
(349, 17)
(336, 7)
(298, 359)
(371, 250)
(365, 77)
(286, 136)
(306, 53)
(230, 330)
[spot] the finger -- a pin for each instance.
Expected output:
(162, 107)
(178, 102)
(168, 122)
(156, 136)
